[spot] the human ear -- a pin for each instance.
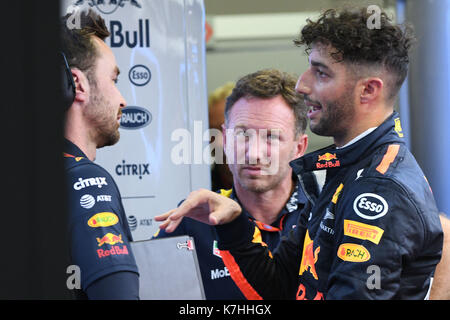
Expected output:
(82, 87)
(371, 89)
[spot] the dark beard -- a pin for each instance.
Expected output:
(335, 123)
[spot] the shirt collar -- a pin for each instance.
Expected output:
(359, 137)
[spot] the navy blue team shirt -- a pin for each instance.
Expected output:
(99, 233)
(216, 278)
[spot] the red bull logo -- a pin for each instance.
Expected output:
(110, 239)
(114, 251)
(327, 157)
(309, 257)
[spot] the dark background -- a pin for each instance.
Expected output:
(33, 245)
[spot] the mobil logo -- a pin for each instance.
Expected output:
(139, 75)
(134, 117)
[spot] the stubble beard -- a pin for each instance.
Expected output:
(106, 129)
(337, 118)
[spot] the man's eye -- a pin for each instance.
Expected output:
(321, 74)
(274, 137)
(116, 80)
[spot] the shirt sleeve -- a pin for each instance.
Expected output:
(380, 238)
(99, 233)
(115, 286)
(259, 273)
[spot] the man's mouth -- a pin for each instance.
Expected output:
(314, 107)
(252, 170)
(313, 104)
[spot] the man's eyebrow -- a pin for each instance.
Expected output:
(319, 64)
(116, 70)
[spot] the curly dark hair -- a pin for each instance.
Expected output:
(77, 43)
(355, 43)
(267, 84)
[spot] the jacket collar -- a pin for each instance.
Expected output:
(329, 157)
(72, 150)
(296, 201)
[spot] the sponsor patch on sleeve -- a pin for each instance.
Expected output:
(352, 252)
(362, 231)
(370, 206)
(103, 219)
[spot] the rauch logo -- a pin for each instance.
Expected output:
(135, 118)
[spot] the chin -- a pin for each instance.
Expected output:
(255, 186)
(109, 140)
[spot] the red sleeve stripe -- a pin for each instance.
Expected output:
(238, 277)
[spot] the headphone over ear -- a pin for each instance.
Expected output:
(67, 85)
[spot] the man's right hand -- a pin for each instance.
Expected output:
(204, 206)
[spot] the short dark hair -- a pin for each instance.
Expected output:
(77, 43)
(347, 31)
(267, 84)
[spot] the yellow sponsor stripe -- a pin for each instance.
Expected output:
(362, 231)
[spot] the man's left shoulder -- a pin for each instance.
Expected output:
(392, 189)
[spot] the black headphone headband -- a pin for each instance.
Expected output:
(67, 85)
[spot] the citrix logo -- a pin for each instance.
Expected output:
(126, 169)
(89, 182)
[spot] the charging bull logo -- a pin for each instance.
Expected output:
(309, 257)
(110, 239)
(327, 157)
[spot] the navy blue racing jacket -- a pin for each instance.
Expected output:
(99, 233)
(372, 233)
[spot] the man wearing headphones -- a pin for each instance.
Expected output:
(99, 232)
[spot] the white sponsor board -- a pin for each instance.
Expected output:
(160, 50)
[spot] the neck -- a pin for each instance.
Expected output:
(79, 135)
(362, 124)
(265, 206)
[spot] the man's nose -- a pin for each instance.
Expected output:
(256, 150)
(123, 102)
(302, 86)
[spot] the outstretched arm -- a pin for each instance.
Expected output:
(204, 206)
(259, 273)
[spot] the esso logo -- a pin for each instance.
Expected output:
(370, 206)
(139, 75)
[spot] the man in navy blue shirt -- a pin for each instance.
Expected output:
(99, 232)
(265, 121)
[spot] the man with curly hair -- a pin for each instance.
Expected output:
(374, 230)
